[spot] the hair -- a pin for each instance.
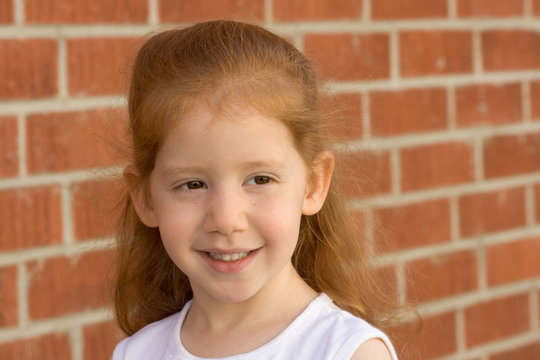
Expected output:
(226, 63)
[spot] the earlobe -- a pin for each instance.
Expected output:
(319, 183)
(140, 199)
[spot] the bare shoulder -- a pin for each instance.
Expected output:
(373, 349)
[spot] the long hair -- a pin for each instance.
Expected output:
(224, 63)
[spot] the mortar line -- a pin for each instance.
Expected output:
(268, 12)
(451, 107)
(526, 107)
(452, 9)
(461, 345)
(153, 13)
(62, 69)
(77, 343)
(454, 218)
(22, 293)
(21, 143)
(530, 206)
(18, 12)
(67, 214)
(533, 304)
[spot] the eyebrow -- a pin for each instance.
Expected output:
(174, 170)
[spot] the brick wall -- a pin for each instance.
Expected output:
(441, 101)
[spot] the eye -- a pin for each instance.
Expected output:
(193, 185)
(259, 180)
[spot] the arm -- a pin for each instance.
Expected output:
(373, 349)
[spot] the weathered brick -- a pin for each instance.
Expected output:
(513, 261)
(366, 173)
(535, 100)
(488, 104)
(8, 296)
(30, 217)
(298, 10)
(47, 347)
(65, 285)
(194, 11)
(511, 155)
(510, 50)
(6, 11)
(537, 201)
(9, 155)
(536, 7)
(85, 11)
(441, 164)
(99, 66)
(524, 352)
(94, 208)
(487, 8)
(492, 320)
(500, 210)
(406, 111)
(420, 224)
(28, 68)
(73, 140)
(408, 9)
(435, 52)
(349, 56)
(100, 340)
(342, 116)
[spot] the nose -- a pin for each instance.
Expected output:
(226, 212)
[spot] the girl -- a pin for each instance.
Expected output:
(234, 241)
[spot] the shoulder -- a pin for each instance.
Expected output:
(148, 341)
(373, 349)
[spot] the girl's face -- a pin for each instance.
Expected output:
(228, 193)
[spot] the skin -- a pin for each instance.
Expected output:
(233, 183)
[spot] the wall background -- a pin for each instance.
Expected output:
(442, 106)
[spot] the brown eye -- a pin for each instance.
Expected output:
(194, 185)
(261, 180)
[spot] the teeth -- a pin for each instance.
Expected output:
(228, 257)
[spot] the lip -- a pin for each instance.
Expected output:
(228, 267)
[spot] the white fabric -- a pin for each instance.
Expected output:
(321, 331)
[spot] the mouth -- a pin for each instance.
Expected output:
(230, 257)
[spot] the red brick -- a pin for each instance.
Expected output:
(412, 9)
(194, 11)
(496, 319)
(100, 340)
(511, 154)
(436, 165)
(47, 347)
(85, 11)
(8, 296)
(513, 261)
(99, 66)
(526, 352)
(436, 338)
(30, 217)
(537, 201)
(365, 173)
(64, 285)
(442, 276)
(493, 211)
(435, 52)
(408, 226)
(298, 10)
(9, 157)
(6, 11)
(488, 104)
(93, 208)
(399, 112)
(510, 50)
(536, 7)
(349, 56)
(535, 100)
(489, 8)
(342, 115)
(28, 68)
(73, 140)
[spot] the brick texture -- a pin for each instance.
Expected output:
(6, 11)
(30, 217)
(47, 347)
(343, 116)
(100, 339)
(435, 52)
(72, 140)
(85, 11)
(492, 320)
(511, 155)
(436, 165)
(65, 285)
(173, 10)
(486, 8)
(28, 68)
(296, 10)
(8, 296)
(514, 261)
(394, 113)
(510, 50)
(9, 159)
(526, 352)
(535, 100)
(488, 104)
(404, 9)
(350, 57)
(99, 66)
(366, 173)
(494, 211)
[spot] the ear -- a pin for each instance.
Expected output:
(318, 183)
(139, 197)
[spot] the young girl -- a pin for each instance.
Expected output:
(234, 241)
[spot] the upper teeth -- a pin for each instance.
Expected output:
(229, 257)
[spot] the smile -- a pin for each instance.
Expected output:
(229, 257)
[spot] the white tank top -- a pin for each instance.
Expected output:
(321, 331)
